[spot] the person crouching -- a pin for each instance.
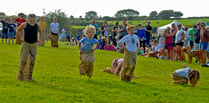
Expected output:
(182, 76)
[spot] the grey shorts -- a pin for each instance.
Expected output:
(196, 46)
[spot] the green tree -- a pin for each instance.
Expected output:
(61, 19)
(72, 17)
(178, 14)
(166, 14)
(91, 15)
(153, 14)
(126, 13)
(2, 14)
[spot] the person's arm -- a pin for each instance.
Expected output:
(58, 31)
(20, 28)
(150, 31)
(40, 32)
(94, 48)
(194, 37)
(13, 27)
(118, 68)
(138, 47)
(164, 33)
(122, 28)
(174, 33)
(50, 30)
(191, 82)
(113, 30)
(121, 44)
(182, 37)
(79, 46)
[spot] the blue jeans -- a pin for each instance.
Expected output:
(147, 41)
(203, 46)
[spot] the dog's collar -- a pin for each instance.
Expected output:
(190, 51)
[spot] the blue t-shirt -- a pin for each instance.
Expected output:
(11, 29)
(141, 33)
(131, 42)
(183, 72)
(78, 37)
(87, 44)
(96, 27)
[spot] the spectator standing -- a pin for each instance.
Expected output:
(96, 27)
(5, 29)
(12, 27)
(148, 30)
(204, 37)
(19, 21)
(115, 28)
(191, 34)
(141, 33)
(104, 29)
(179, 41)
(122, 30)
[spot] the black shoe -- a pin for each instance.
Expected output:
(205, 65)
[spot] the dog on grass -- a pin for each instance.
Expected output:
(194, 53)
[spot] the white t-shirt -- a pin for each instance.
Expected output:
(183, 72)
(105, 32)
(156, 48)
(179, 35)
(55, 27)
(131, 42)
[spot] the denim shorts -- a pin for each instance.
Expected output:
(11, 35)
(203, 46)
(4, 35)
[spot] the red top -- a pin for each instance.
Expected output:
(20, 21)
(168, 40)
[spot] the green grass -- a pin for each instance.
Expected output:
(78, 27)
(57, 79)
(158, 23)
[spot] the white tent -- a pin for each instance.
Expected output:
(162, 28)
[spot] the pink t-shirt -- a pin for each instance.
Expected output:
(168, 40)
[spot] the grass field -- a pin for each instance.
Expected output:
(57, 79)
(158, 23)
